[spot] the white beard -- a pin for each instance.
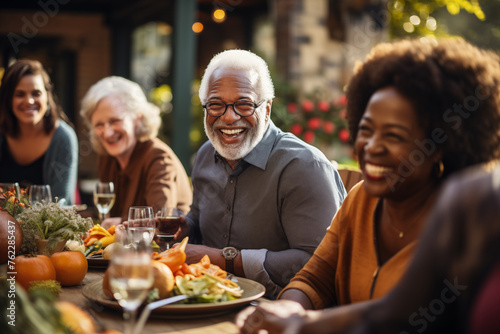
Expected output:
(253, 136)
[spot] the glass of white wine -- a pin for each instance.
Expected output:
(141, 220)
(104, 198)
(131, 277)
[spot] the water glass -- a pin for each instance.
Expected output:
(141, 219)
(40, 194)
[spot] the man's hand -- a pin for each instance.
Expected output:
(281, 316)
(194, 253)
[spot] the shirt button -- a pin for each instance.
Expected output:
(225, 236)
(232, 181)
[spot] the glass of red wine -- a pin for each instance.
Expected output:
(167, 224)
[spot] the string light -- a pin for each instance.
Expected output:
(219, 15)
(197, 27)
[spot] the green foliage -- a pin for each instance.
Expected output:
(35, 313)
(412, 18)
(162, 97)
(49, 286)
(53, 222)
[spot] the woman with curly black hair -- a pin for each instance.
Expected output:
(418, 111)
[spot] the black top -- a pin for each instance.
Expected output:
(25, 175)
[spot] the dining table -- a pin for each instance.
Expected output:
(108, 318)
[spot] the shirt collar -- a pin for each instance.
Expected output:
(261, 152)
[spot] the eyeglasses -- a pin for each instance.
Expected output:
(242, 108)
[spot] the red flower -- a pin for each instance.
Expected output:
(309, 137)
(342, 100)
(307, 105)
(343, 114)
(328, 127)
(323, 106)
(314, 123)
(291, 107)
(296, 129)
(343, 135)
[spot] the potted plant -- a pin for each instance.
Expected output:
(48, 225)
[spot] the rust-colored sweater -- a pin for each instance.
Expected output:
(344, 268)
(154, 176)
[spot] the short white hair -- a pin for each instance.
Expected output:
(133, 99)
(240, 60)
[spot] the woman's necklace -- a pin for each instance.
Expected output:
(400, 233)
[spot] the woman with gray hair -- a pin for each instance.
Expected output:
(123, 127)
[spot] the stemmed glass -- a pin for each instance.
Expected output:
(167, 224)
(131, 277)
(40, 194)
(141, 220)
(104, 198)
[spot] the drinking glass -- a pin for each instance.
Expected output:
(131, 277)
(40, 194)
(167, 224)
(140, 219)
(6, 186)
(104, 198)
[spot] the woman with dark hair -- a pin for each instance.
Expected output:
(37, 146)
(418, 111)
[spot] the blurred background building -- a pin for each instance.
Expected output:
(310, 45)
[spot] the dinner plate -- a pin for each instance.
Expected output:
(96, 261)
(251, 291)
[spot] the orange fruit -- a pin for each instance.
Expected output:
(71, 267)
(163, 279)
(33, 268)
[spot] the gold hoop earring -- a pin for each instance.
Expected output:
(440, 169)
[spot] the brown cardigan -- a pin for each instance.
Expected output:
(154, 176)
(343, 268)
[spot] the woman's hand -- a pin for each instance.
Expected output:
(281, 316)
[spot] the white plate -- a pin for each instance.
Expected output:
(251, 291)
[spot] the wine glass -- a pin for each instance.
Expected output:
(140, 219)
(40, 194)
(104, 198)
(167, 224)
(6, 186)
(131, 277)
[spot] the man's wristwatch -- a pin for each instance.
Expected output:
(229, 254)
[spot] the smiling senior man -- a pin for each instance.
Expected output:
(262, 198)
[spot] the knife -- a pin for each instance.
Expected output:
(154, 305)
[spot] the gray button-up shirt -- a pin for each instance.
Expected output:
(274, 207)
